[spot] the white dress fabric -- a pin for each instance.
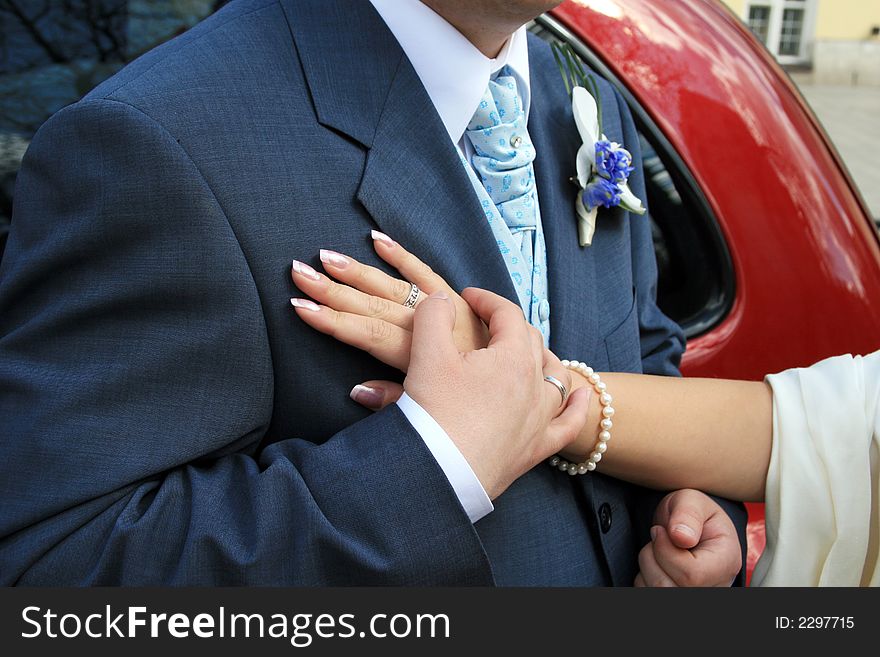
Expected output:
(823, 489)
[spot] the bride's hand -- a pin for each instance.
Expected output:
(363, 306)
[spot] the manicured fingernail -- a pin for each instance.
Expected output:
(382, 237)
(654, 531)
(684, 529)
(335, 259)
(439, 295)
(306, 304)
(366, 396)
(303, 269)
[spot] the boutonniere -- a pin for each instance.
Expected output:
(603, 166)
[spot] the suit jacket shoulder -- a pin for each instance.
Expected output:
(201, 53)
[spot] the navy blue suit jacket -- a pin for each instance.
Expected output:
(166, 419)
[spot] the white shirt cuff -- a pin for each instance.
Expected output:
(458, 471)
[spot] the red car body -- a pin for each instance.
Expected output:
(803, 246)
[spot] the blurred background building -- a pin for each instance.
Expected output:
(831, 41)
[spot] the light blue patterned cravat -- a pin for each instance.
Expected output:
(503, 156)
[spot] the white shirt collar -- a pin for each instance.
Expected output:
(452, 70)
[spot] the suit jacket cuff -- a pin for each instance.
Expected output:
(464, 482)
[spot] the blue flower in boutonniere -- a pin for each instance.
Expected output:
(603, 166)
(613, 162)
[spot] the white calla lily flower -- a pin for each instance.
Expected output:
(586, 220)
(629, 201)
(586, 115)
(586, 162)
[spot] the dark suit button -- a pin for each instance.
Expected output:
(605, 518)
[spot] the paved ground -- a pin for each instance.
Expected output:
(851, 116)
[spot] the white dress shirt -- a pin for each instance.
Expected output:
(455, 74)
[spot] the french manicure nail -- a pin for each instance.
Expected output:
(303, 269)
(335, 259)
(382, 237)
(440, 295)
(366, 396)
(306, 304)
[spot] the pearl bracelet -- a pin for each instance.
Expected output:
(605, 425)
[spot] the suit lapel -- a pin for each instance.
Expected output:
(413, 184)
(571, 268)
(416, 189)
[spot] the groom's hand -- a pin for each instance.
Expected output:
(493, 403)
(693, 543)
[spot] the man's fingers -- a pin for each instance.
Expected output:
(505, 320)
(432, 338)
(695, 542)
(683, 514)
(537, 341)
(408, 265)
(550, 363)
(651, 571)
(565, 428)
(380, 339)
(376, 395)
(713, 565)
(554, 403)
(679, 563)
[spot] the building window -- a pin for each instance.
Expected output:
(792, 30)
(784, 26)
(759, 21)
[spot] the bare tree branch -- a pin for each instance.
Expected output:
(30, 24)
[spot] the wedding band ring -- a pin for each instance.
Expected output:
(559, 386)
(413, 297)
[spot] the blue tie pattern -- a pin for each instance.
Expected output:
(503, 157)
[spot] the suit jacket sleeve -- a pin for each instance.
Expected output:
(662, 340)
(136, 386)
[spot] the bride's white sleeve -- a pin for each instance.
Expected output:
(823, 489)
